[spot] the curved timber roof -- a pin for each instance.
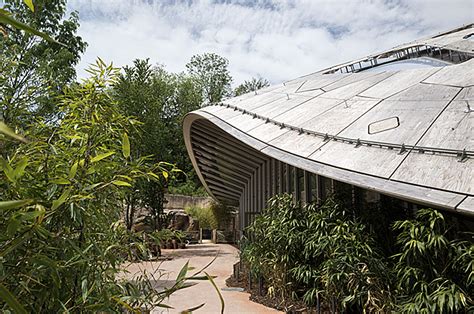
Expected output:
(369, 122)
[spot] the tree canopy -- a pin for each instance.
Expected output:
(33, 70)
(213, 76)
(251, 86)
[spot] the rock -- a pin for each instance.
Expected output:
(179, 221)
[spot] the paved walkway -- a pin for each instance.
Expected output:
(203, 292)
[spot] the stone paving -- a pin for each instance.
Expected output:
(203, 292)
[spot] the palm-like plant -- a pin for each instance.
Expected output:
(434, 274)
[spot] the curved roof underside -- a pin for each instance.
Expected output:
(405, 133)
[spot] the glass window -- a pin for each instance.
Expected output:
(325, 187)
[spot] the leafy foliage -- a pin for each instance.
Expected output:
(251, 86)
(325, 255)
(434, 274)
(34, 71)
(213, 76)
(160, 100)
(317, 253)
(62, 190)
(215, 216)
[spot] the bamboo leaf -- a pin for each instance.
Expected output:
(30, 5)
(13, 225)
(102, 156)
(7, 19)
(10, 299)
(14, 204)
(125, 145)
(61, 199)
(73, 170)
(20, 168)
(218, 292)
(4, 128)
(182, 273)
(188, 311)
(121, 183)
(61, 181)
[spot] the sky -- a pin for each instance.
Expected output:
(274, 39)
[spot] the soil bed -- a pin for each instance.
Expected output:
(288, 306)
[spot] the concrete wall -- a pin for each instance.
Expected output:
(180, 202)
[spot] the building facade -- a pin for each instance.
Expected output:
(396, 126)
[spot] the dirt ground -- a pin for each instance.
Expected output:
(203, 292)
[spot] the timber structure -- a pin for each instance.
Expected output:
(395, 125)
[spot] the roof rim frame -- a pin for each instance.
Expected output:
(424, 195)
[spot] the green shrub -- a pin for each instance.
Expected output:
(434, 274)
(205, 216)
(215, 216)
(323, 253)
(312, 252)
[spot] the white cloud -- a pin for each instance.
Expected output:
(278, 40)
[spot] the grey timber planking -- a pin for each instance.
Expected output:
(321, 81)
(426, 92)
(461, 75)
(267, 132)
(437, 171)
(353, 89)
(353, 78)
(461, 45)
(467, 206)
(448, 38)
(339, 117)
(308, 110)
(467, 93)
(452, 130)
(274, 109)
(313, 92)
(369, 160)
(415, 117)
(245, 122)
(397, 83)
(299, 144)
(432, 106)
(259, 100)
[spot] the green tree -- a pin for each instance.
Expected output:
(160, 100)
(34, 71)
(251, 86)
(211, 71)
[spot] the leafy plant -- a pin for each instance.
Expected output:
(204, 215)
(319, 254)
(251, 86)
(434, 273)
(62, 189)
(35, 71)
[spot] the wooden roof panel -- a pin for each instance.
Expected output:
(369, 160)
(397, 83)
(414, 116)
(461, 75)
(338, 117)
(295, 143)
(453, 128)
(437, 171)
(307, 110)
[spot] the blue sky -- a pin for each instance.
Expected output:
(277, 40)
